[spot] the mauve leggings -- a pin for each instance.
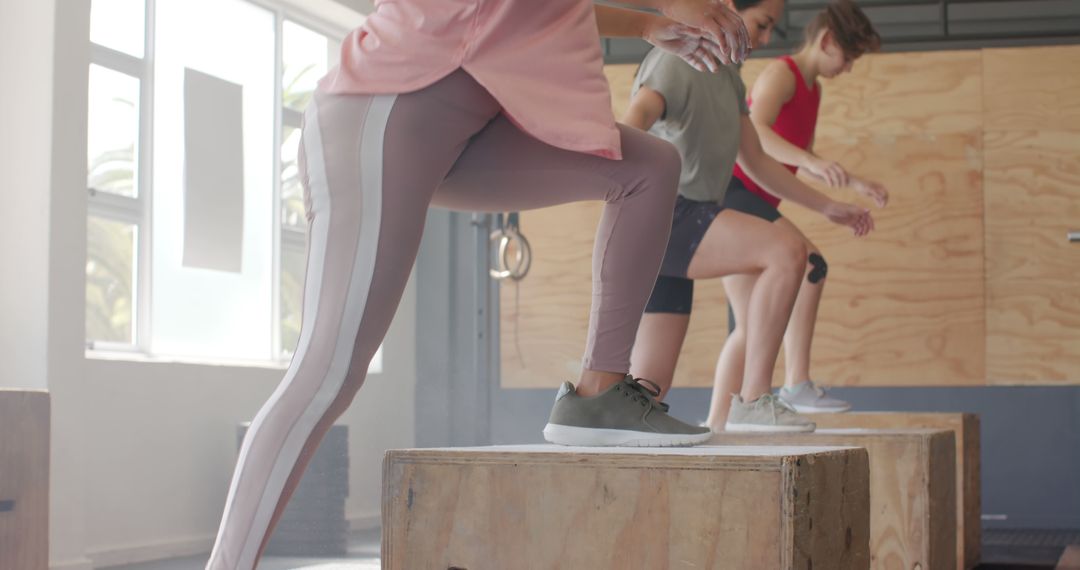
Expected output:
(372, 165)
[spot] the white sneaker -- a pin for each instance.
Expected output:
(765, 414)
(808, 398)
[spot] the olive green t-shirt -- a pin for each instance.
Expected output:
(702, 118)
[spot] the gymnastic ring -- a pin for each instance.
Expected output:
(500, 271)
(523, 254)
(505, 268)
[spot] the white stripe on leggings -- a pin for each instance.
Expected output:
(371, 171)
(317, 240)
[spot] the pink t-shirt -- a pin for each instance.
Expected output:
(540, 59)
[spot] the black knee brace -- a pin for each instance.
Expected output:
(820, 270)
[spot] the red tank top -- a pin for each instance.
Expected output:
(796, 123)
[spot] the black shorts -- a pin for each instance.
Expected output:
(673, 292)
(741, 199)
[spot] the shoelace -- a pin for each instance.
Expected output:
(647, 390)
(776, 405)
(817, 389)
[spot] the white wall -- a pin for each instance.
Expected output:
(26, 55)
(142, 452)
(163, 440)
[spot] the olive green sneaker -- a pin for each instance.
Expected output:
(626, 414)
(768, 413)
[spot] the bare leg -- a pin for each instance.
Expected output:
(740, 243)
(656, 350)
(730, 365)
(800, 329)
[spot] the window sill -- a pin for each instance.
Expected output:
(143, 358)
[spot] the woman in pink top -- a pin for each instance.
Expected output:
(492, 105)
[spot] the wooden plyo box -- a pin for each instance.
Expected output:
(24, 479)
(572, 508)
(912, 490)
(968, 482)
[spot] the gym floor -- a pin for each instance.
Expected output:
(363, 554)
(1002, 550)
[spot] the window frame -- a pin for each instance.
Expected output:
(137, 210)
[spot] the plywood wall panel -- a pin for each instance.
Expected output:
(705, 337)
(544, 316)
(621, 79)
(1032, 88)
(1033, 272)
(905, 93)
(919, 302)
(904, 306)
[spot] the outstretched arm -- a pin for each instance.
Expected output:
(777, 180)
(772, 90)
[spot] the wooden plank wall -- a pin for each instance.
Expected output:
(1032, 201)
(949, 291)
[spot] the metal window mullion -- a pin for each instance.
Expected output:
(276, 350)
(144, 316)
(117, 61)
(116, 208)
(109, 346)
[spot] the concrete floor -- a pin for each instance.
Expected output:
(1002, 550)
(363, 554)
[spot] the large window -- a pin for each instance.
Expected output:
(196, 230)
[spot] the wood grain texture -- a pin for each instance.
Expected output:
(911, 305)
(1033, 305)
(752, 69)
(912, 491)
(539, 507)
(621, 79)
(544, 317)
(965, 428)
(1032, 88)
(24, 479)
(904, 306)
(705, 337)
(905, 93)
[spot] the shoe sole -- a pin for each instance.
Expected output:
(817, 410)
(763, 428)
(598, 437)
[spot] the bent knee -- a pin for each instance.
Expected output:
(654, 162)
(668, 165)
(789, 253)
